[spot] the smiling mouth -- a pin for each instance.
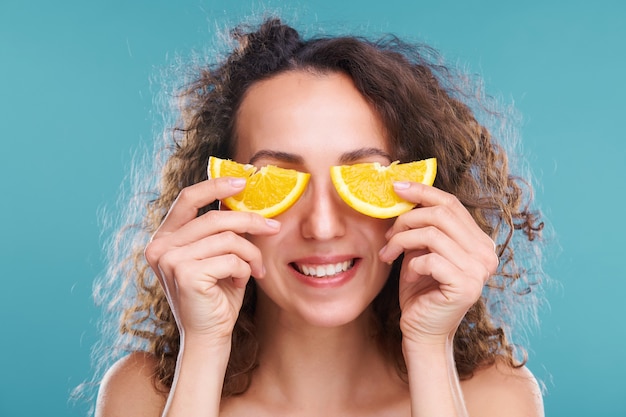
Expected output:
(323, 270)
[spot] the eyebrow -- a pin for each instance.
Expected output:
(346, 158)
(277, 155)
(359, 154)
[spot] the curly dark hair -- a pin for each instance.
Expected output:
(426, 110)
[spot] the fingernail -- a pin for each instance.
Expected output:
(401, 185)
(272, 223)
(382, 251)
(237, 182)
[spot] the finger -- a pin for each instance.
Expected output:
(200, 276)
(215, 245)
(432, 239)
(444, 206)
(455, 280)
(421, 193)
(231, 267)
(193, 198)
(467, 234)
(210, 223)
(428, 238)
(427, 196)
(216, 221)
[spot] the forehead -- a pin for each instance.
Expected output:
(305, 113)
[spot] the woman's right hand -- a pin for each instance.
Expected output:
(203, 262)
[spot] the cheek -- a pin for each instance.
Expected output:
(260, 242)
(270, 245)
(377, 228)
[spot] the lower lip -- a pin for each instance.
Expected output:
(328, 282)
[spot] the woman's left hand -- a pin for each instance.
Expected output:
(447, 261)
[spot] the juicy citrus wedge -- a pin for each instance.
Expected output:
(269, 191)
(368, 187)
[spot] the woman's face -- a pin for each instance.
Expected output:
(322, 267)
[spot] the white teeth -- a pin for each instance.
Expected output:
(324, 270)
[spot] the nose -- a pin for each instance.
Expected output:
(323, 216)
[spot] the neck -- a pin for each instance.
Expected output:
(319, 366)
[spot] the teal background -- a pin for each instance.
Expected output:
(76, 102)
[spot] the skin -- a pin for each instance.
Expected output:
(316, 354)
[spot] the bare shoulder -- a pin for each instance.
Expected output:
(128, 389)
(500, 387)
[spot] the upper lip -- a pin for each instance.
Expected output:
(323, 260)
(323, 265)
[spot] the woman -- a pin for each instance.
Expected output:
(235, 322)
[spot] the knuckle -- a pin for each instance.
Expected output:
(493, 263)
(243, 268)
(429, 260)
(228, 237)
(211, 216)
(482, 277)
(432, 232)
(252, 217)
(168, 261)
(423, 263)
(450, 200)
(442, 211)
(231, 260)
(491, 259)
(238, 267)
(181, 270)
(185, 195)
(153, 251)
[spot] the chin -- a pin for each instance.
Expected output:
(329, 317)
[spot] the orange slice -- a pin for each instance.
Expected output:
(269, 191)
(368, 187)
